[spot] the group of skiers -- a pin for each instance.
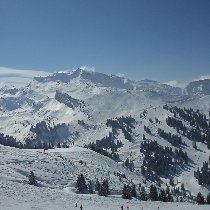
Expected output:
(123, 208)
(81, 207)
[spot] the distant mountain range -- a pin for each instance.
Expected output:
(100, 79)
(138, 124)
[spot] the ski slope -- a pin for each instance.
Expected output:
(56, 173)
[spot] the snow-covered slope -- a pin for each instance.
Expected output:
(56, 172)
(59, 168)
(199, 87)
(73, 108)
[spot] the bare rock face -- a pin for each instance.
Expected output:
(68, 100)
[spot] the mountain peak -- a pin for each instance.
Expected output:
(110, 81)
(99, 79)
(199, 87)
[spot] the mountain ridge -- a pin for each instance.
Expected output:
(101, 79)
(112, 116)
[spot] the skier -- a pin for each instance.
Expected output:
(121, 207)
(76, 205)
(81, 207)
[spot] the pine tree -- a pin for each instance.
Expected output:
(126, 194)
(182, 187)
(81, 184)
(90, 187)
(45, 146)
(105, 184)
(127, 162)
(32, 179)
(97, 185)
(208, 199)
(200, 199)
(171, 182)
(104, 188)
(143, 195)
(208, 140)
(143, 171)
(153, 194)
(162, 196)
(133, 191)
(169, 197)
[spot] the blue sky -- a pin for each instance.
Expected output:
(156, 39)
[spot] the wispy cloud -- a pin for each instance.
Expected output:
(87, 68)
(175, 83)
(18, 77)
(202, 77)
(120, 75)
(21, 73)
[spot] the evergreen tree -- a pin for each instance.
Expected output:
(126, 194)
(203, 176)
(194, 145)
(143, 171)
(97, 185)
(208, 199)
(162, 196)
(200, 199)
(104, 188)
(105, 184)
(143, 195)
(169, 197)
(171, 182)
(59, 145)
(81, 184)
(208, 140)
(182, 187)
(133, 191)
(153, 194)
(127, 162)
(45, 146)
(90, 187)
(32, 179)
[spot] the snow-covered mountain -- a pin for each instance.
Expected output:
(81, 109)
(79, 95)
(199, 87)
(56, 172)
(111, 81)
